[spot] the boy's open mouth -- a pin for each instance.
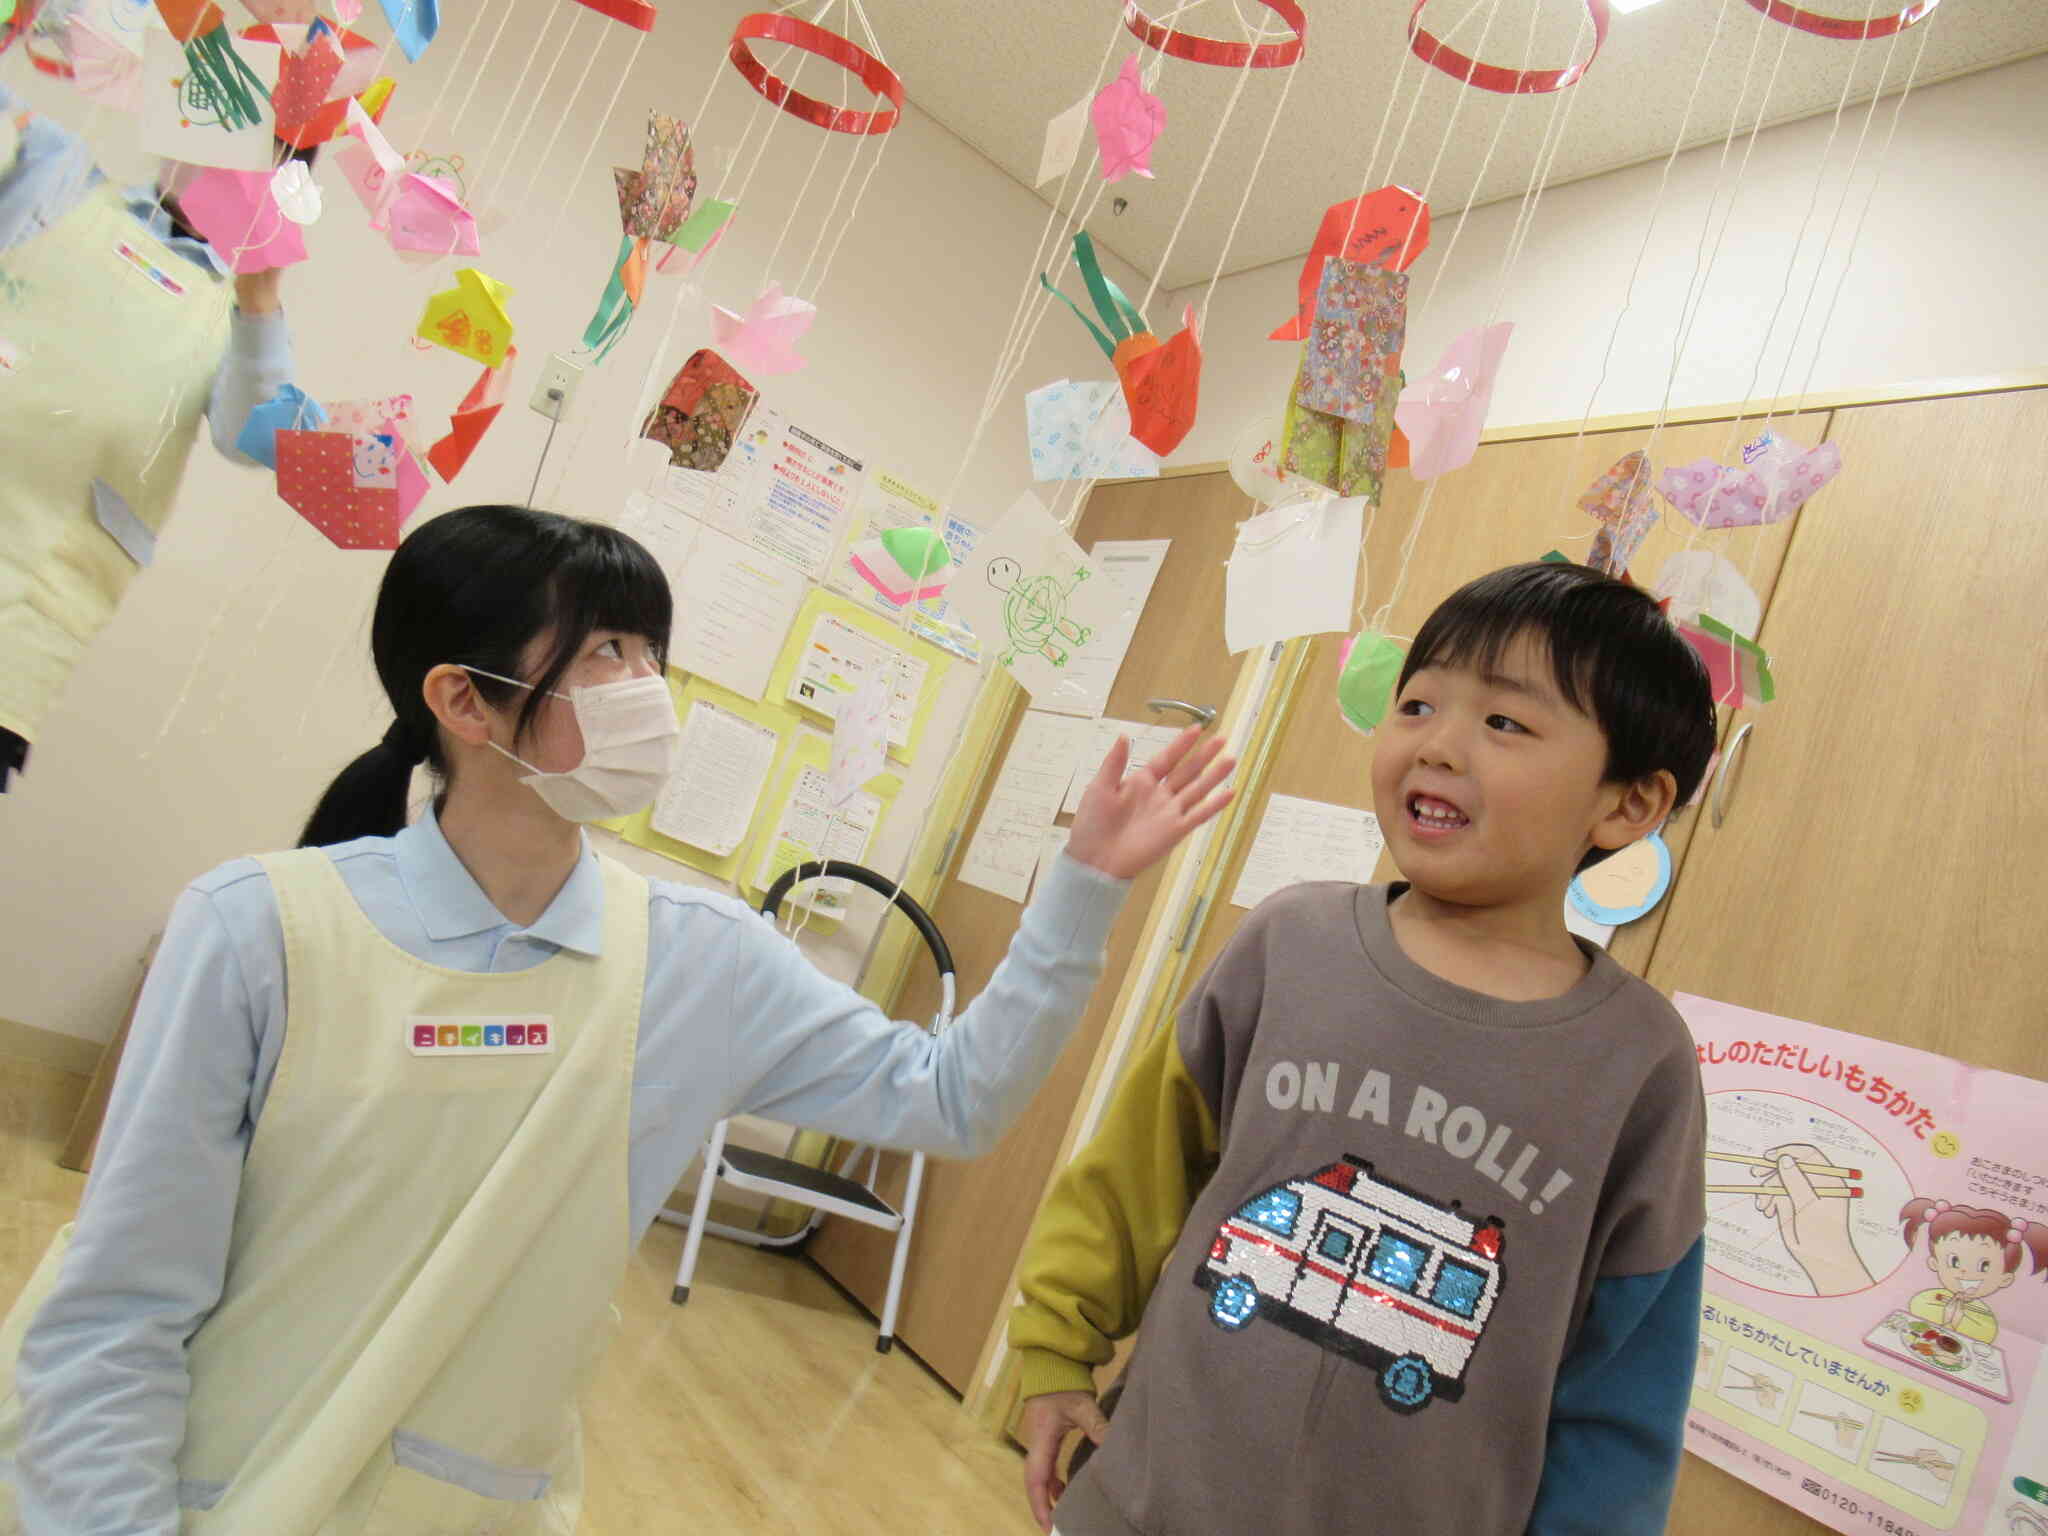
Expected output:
(1431, 817)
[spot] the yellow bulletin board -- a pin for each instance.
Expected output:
(810, 749)
(876, 627)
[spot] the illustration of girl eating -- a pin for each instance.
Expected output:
(1974, 1254)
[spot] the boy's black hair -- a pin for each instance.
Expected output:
(1617, 659)
(473, 588)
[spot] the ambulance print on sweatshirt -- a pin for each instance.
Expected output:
(1421, 1254)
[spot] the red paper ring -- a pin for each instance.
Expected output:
(1842, 28)
(1211, 50)
(873, 73)
(1494, 77)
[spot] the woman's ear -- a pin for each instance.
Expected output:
(451, 696)
(1642, 807)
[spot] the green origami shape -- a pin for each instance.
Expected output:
(1365, 682)
(919, 551)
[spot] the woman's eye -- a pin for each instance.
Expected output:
(1503, 723)
(611, 648)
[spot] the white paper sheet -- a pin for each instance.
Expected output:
(860, 736)
(1303, 840)
(837, 658)
(723, 763)
(1127, 567)
(1034, 600)
(1007, 841)
(811, 827)
(1145, 740)
(734, 607)
(666, 528)
(1293, 571)
(1064, 136)
(179, 123)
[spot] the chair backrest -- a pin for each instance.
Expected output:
(892, 892)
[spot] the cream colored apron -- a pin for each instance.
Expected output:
(113, 342)
(426, 1242)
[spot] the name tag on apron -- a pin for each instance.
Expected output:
(525, 1034)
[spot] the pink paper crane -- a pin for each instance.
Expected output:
(763, 340)
(1128, 121)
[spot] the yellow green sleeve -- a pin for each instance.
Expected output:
(1106, 1228)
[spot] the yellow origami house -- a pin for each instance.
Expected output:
(470, 318)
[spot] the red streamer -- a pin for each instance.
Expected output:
(1211, 50)
(1842, 28)
(873, 73)
(1438, 54)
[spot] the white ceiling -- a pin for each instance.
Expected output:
(993, 73)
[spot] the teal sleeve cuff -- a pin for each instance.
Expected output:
(1617, 1415)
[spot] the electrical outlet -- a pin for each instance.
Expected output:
(557, 386)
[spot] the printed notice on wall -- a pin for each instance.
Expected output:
(1302, 840)
(1010, 836)
(1877, 1242)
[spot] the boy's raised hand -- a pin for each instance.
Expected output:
(1043, 1426)
(1129, 821)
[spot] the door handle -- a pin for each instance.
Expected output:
(1201, 712)
(1727, 771)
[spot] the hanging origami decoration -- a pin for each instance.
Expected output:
(357, 488)
(103, 68)
(1388, 228)
(1367, 669)
(413, 24)
(305, 79)
(1444, 412)
(470, 318)
(472, 418)
(296, 193)
(655, 204)
(215, 71)
(1128, 121)
(701, 412)
(807, 37)
(1698, 580)
(904, 564)
(764, 339)
(1340, 414)
(1498, 78)
(1622, 502)
(291, 409)
(427, 215)
(1777, 478)
(1082, 431)
(240, 218)
(1737, 667)
(1161, 381)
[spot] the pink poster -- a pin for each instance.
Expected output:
(1877, 1279)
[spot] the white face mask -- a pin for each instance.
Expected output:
(629, 741)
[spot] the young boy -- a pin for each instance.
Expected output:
(1410, 1198)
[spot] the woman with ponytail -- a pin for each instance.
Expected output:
(397, 1105)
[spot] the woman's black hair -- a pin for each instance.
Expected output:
(475, 587)
(1616, 657)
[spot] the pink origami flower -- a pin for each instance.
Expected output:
(1128, 121)
(763, 340)
(1444, 411)
(237, 212)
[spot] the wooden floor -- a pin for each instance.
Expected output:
(760, 1407)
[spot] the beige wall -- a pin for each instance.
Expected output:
(115, 814)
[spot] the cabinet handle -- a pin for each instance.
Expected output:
(1200, 711)
(1727, 771)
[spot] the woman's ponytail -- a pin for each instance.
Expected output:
(368, 798)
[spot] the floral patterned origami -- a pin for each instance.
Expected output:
(1388, 228)
(1622, 502)
(701, 412)
(1444, 412)
(1128, 121)
(1355, 340)
(1776, 483)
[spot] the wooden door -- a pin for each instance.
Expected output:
(1513, 502)
(972, 1217)
(1883, 865)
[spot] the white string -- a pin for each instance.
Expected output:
(825, 138)
(561, 121)
(495, 169)
(1201, 175)
(448, 81)
(575, 181)
(1251, 181)
(509, 6)
(853, 212)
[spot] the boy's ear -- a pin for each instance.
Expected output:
(1644, 806)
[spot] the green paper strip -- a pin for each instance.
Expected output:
(1102, 339)
(695, 232)
(614, 309)
(1118, 313)
(224, 76)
